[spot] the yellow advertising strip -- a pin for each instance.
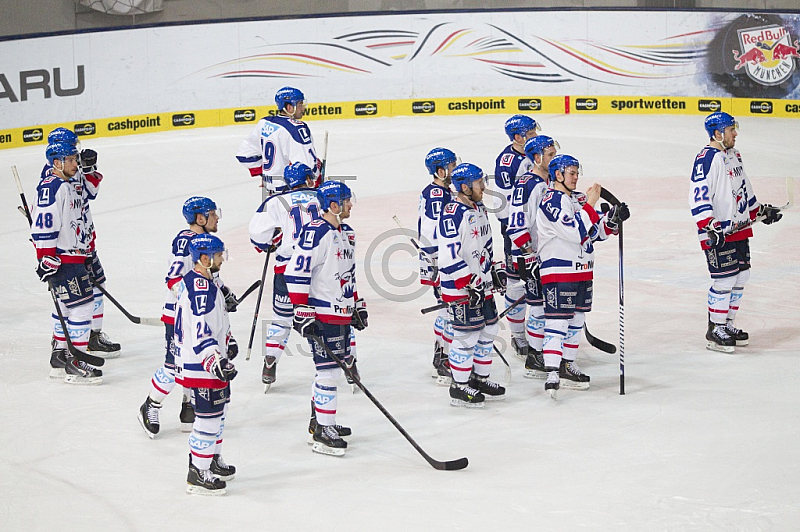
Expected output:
(505, 105)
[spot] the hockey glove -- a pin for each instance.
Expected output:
(475, 292)
(617, 215)
(48, 266)
(499, 277)
(230, 299)
(769, 213)
(88, 161)
(305, 320)
(233, 348)
(360, 315)
(219, 367)
(528, 266)
(715, 235)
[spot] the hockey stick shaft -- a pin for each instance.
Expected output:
(508, 367)
(74, 351)
(438, 306)
(258, 306)
(324, 165)
(609, 197)
(451, 465)
(249, 291)
(154, 322)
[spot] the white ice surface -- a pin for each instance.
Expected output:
(701, 440)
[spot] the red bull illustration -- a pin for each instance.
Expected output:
(767, 54)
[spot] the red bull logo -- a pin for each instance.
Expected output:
(767, 54)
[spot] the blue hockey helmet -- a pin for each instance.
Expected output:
(439, 158)
(561, 163)
(465, 174)
(296, 174)
(197, 205)
(538, 144)
(288, 95)
(62, 134)
(332, 191)
(520, 125)
(205, 244)
(59, 150)
(718, 122)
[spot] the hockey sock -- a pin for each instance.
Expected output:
(58, 331)
(325, 396)
(79, 325)
(218, 447)
(535, 327)
(554, 333)
(719, 297)
(438, 328)
(736, 294)
(162, 383)
(573, 338)
(482, 355)
(448, 335)
(278, 336)
(516, 317)
(461, 352)
(99, 308)
(203, 439)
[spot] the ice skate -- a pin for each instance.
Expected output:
(438, 355)
(186, 416)
(79, 372)
(268, 373)
(328, 441)
(521, 347)
(58, 361)
(741, 337)
(351, 365)
(148, 417)
(441, 366)
(572, 377)
(220, 469)
(491, 390)
(203, 481)
(462, 394)
(719, 339)
(552, 383)
(312, 426)
(534, 365)
(100, 345)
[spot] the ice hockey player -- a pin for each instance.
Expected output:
(527, 194)
(568, 226)
(440, 163)
(204, 348)
(724, 206)
(90, 179)
(510, 164)
(321, 277)
(278, 141)
(468, 277)
(63, 244)
(276, 225)
(203, 217)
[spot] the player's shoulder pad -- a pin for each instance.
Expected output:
(296, 128)
(202, 293)
(47, 189)
(180, 244)
(506, 157)
(313, 232)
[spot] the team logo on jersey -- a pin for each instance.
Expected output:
(586, 104)
(186, 119)
(761, 107)
(437, 193)
(366, 109)
(450, 208)
(767, 54)
(32, 135)
(244, 115)
(741, 200)
(347, 282)
(507, 159)
(85, 129)
(529, 104)
(426, 106)
(79, 189)
(201, 283)
(709, 106)
(81, 236)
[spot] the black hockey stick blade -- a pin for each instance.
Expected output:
(154, 322)
(249, 291)
(597, 343)
(451, 465)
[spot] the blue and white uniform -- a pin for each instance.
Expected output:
(275, 143)
(286, 212)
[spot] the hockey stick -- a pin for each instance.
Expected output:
(609, 197)
(597, 343)
(508, 368)
(249, 291)
(258, 305)
(324, 159)
(451, 465)
(154, 322)
(74, 351)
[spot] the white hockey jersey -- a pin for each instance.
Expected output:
(288, 212)
(431, 202)
(510, 164)
(180, 263)
(59, 228)
(322, 271)
(566, 231)
(465, 248)
(525, 199)
(202, 328)
(275, 143)
(720, 189)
